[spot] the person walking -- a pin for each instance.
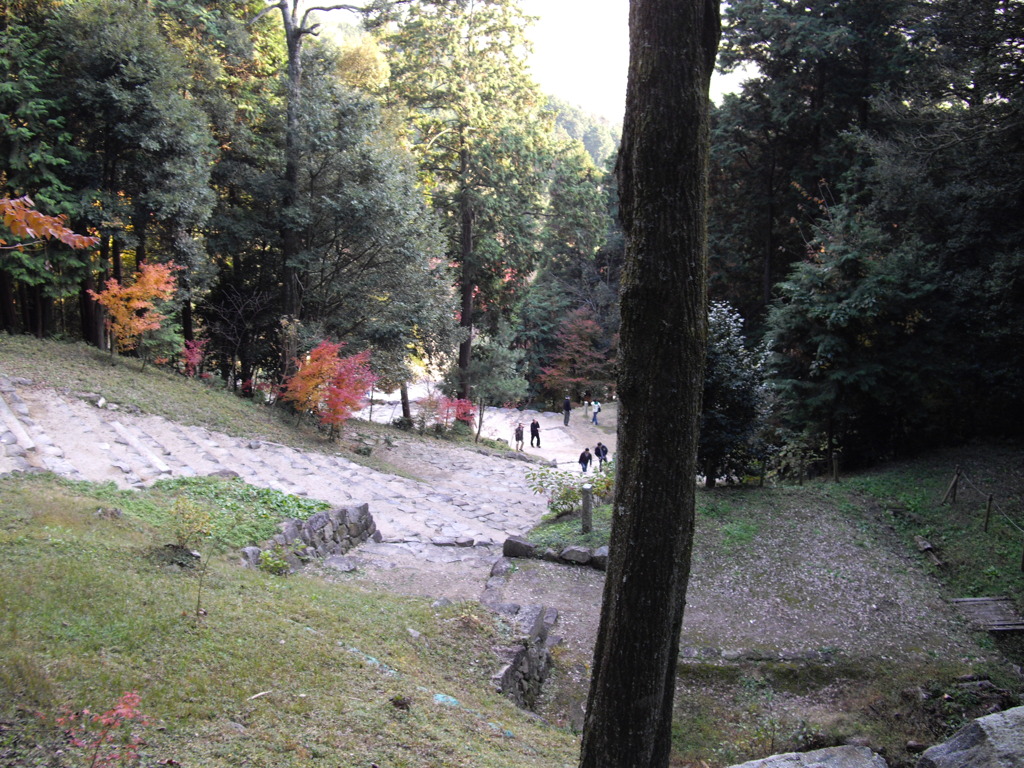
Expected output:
(601, 454)
(585, 458)
(566, 408)
(597, 410)
(534, 433)
(519, 437)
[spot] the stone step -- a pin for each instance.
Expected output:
(483, 498)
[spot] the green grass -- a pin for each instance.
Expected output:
(975, 563)
(276, 672)
(567, 531)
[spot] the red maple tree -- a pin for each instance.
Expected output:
(328, 386)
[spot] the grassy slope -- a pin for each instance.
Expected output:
(276, 672)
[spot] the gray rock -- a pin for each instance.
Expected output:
(502, 567)
(517, 546)
(443, 541)
(251, 557)
(600, 558)
(832, 757)
(340, 563)
(576, 554)
(464, 541)
(441, 602)
(994, 741)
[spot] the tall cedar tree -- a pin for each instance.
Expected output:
(663, 168)
(482, 140)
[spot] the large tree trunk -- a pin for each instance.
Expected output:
(468, 288)
(663, 191)
(8, 308)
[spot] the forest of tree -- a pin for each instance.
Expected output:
(406, 189)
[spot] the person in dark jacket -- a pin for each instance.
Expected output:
(566, 408)
(585, 458)
(519, 437)
(601, 454)
(534, 433)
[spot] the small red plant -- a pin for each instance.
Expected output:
(106, 740)
(455, 409)
(192, 356)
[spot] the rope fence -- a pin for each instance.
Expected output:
(990, 504)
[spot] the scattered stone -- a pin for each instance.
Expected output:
(413, 633)
(600, 558)
(228, 473)
(464, 541)
(341, 563)
(108, 514)
(251, 556)
(915, 747)
(502, 567)
(832, 757)
(550, 555)
(995, 741)
(441, 602)
(443, 541)
(576, 554)
(517, 546)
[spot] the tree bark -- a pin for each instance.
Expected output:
(663, 189)
(467, 287)
(8, 308)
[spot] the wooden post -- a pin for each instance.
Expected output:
(988, 512)
(951, 491)
(586, 518)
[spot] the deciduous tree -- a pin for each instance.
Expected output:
(133, 308)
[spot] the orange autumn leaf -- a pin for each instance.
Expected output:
(131, 308)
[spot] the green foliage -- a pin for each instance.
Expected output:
(564, 489)
(191, 522)
(563, 532)
(735, 399)
(274, 561)
(844, 333)
(240, 514)
(481, 140)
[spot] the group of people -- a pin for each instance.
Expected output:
(600, 453)
(586, 458)
(534, 434)
(587, 406)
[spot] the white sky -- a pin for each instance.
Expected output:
(581, 53)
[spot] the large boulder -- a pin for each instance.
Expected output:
(993, 741)
(832, 757)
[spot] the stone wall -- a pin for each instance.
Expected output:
(333, 532)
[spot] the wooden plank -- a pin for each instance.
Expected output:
(993, 614)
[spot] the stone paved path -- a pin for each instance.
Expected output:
(468, 495)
